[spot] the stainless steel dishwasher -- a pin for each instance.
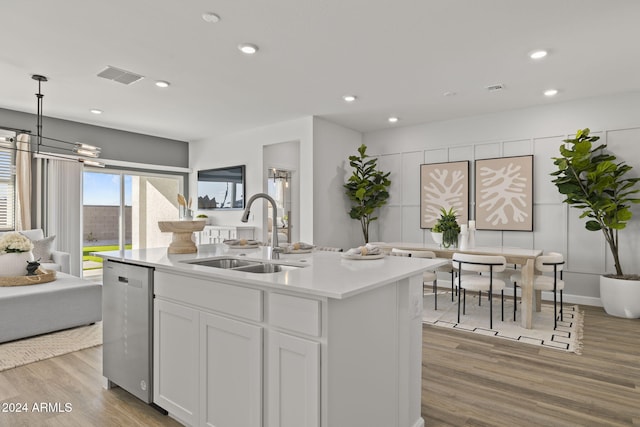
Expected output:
(127, 321)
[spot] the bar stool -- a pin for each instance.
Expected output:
(480, 264)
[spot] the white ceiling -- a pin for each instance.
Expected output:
(397, 56)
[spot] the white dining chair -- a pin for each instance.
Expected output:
(427, 276)
(552, 262)
(477, 282)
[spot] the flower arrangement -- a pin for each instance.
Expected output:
(14, 242)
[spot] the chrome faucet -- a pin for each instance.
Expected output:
(275, 250)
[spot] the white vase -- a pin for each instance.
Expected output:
(14, 263)
(620, 297)
(437, 237)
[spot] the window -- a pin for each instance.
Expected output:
(7, 182)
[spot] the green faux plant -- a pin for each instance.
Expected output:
(592, 181)
(447, 224)
(367, 189)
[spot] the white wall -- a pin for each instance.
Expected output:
(246, 148)
(332, 146)
(538, 131)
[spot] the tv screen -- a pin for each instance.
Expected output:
(221, 188)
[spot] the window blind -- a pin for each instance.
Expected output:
(7, 186)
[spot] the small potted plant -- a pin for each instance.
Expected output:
(446, 229)
(592, 181)
(205, 217)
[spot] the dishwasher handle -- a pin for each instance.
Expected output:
(123, 279)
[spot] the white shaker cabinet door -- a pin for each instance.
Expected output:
(294, 381)
(231, 372)
(175, 358)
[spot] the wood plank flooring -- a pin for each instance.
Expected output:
(472, 380)
(468, 380)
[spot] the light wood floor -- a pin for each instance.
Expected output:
(467, 380)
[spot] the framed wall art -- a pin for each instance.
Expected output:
(444, 185)
(504, 193)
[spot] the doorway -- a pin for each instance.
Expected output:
(121, 211)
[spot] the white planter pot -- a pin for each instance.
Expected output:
(620, 298)
(437, 237)
(14, 263)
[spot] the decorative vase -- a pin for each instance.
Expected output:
(15, 263)
(437, 238)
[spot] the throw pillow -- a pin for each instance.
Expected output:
(42, 249)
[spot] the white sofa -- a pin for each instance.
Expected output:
(59, 260)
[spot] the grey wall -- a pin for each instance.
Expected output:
(116, 144)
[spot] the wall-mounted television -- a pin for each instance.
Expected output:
(221, 188)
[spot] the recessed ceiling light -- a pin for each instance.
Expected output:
(393, 119)
(96, 111)
(538, 54)
(210, 17)
(349, 98)
(248, 48)
(550, 92)
(162, 83)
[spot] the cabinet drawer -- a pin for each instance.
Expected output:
(210, 294)
(294, 313)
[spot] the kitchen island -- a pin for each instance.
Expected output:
(324, 342)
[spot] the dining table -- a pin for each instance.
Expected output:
(513, 255)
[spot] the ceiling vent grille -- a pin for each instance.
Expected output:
(495, 88)
(119, 75)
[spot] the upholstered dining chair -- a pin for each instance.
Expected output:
(427, 276)
(478, 282)
(552, 262)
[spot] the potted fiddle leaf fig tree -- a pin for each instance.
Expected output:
(367, 189)
(591, 180)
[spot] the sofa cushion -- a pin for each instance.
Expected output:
(42, 249)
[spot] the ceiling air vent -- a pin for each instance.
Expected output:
(495, 88)
(120, 76)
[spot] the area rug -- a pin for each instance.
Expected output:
(566, 337)
(29, 350)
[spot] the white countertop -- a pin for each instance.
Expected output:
(325, 274)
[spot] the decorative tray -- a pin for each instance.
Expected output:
(42, 276)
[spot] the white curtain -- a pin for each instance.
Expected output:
(23, 183)
(63, 215)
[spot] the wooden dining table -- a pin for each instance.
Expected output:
(521, 256)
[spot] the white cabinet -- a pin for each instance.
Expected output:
(230, 372)
(220, 233)
(175, 360)
(236, 355)
(294, 381)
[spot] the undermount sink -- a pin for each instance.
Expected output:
(223, 262)
(248, 266)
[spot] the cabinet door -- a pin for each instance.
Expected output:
(294, 381)
(231, 372)
(175, 359)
